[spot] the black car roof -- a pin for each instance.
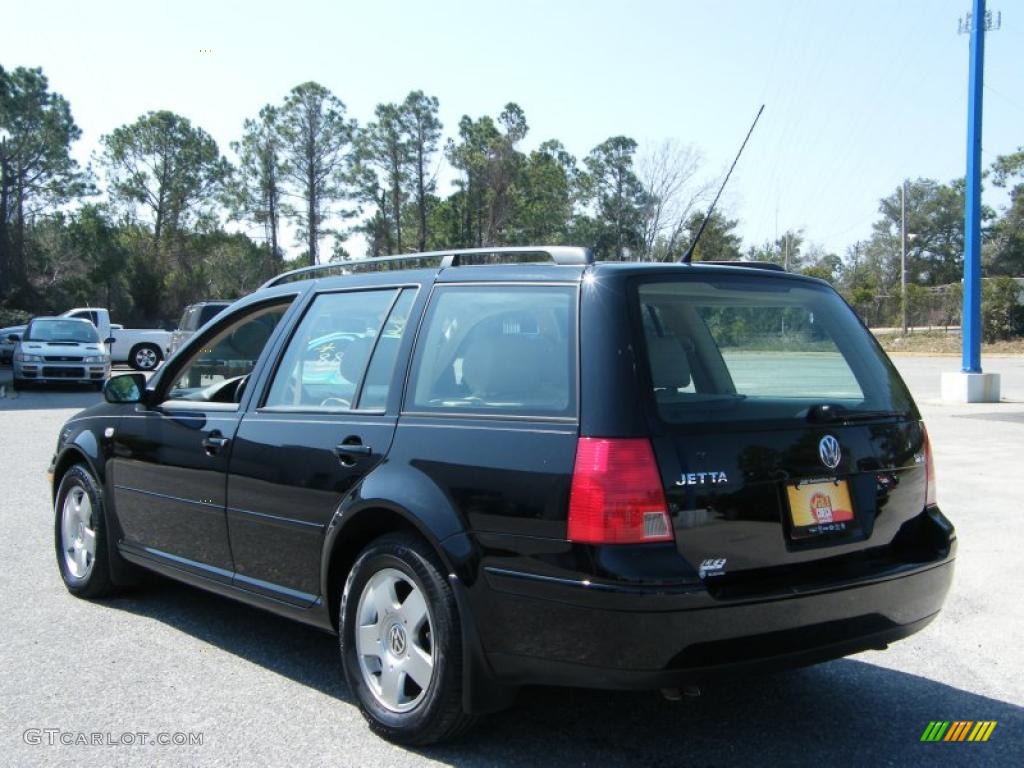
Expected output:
(504, 264)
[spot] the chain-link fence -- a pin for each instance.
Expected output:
(939, 307)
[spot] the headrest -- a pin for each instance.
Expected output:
(507, 365)
(670, 364)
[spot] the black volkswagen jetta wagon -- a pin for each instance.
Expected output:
(488, 469)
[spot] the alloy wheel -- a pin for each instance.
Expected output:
(146, 358)
(394, 640)
(78, 535)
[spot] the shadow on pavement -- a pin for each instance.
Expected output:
(848, 712)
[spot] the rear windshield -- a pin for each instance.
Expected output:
(208, 312)
(61, 330)
(732, 347)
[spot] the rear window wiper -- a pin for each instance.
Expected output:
(825, 413)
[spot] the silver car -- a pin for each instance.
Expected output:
(60, 349)
(6, 344)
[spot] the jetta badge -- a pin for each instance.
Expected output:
(829, 451)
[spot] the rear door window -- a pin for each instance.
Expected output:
(739, 348)
(503, 350)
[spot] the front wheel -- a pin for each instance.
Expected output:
(80, 535)
(401, 647)
(144, 357)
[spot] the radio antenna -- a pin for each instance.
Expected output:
(688, 256)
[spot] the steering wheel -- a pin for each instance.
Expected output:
(335, 402)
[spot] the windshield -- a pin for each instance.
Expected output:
(732, 347)
(61, 330)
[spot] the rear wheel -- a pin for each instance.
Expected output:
(144, 357)
(80, 535)
(401, 646)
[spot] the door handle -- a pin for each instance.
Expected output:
(213, 442)
(351, 450)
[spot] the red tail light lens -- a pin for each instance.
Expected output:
(929, 470)
(617, 497)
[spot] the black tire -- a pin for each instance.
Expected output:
(17, 384)
(439, 715)
(148, 352)
(97, 385)
(97, 582)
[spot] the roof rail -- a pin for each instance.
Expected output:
(751, 264)
(559, 254)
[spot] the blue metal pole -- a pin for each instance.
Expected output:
(971, 323)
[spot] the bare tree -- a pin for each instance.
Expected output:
(669, 174)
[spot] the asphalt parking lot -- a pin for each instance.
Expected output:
(262, 691)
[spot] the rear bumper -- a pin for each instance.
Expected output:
(538, 640)
(538, 629)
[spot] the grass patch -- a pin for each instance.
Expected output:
(941, 343)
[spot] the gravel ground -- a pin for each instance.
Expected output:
(260, 690)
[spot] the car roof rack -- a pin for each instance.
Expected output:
(559, 254)
(751, 264)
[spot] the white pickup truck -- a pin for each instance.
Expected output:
(142, 349)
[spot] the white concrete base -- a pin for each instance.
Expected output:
(960, 387)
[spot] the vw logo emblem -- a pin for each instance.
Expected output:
(396, 638)
(829, 451)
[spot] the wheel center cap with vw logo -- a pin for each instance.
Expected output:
(396, 639)
(829, 451)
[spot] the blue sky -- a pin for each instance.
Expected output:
(858, 94)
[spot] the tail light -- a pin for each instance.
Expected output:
(617, 496)
(929, 471)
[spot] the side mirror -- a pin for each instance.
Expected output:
(13, 338)
(127, 388)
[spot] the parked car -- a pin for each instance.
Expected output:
(56, 349)
(612, 475)
(142, 349)
(193, 318)
(8, 340)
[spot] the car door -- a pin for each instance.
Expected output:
(171, 455)
(325, 419)
(490, 411)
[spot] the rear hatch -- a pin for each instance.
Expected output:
(790, 450)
